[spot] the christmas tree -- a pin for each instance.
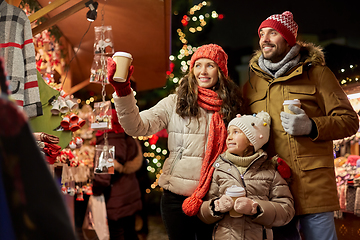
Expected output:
(191, 25)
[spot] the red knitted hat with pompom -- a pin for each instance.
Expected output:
(213, 52)
(283, 24)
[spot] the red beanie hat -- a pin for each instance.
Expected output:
(213, 52)
(284, 24)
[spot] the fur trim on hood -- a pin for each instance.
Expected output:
(309, 54)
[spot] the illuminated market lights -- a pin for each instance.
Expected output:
(350, 72)
(214, 14)
(175, 80)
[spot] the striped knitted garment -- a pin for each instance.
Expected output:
(208, 100)
(17, 49)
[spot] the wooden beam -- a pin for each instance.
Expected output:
(45, 10)
(78, 86)
(52, 21)
(16, 3)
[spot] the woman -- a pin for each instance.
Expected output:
(195, 117)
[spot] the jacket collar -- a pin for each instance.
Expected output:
(261, 158)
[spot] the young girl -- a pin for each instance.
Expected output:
(268, 201)
(195, 118)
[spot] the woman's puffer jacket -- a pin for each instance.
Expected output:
(187, 139)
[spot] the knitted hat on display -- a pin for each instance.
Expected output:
(213, 52)
(284, 24)
(256, 127)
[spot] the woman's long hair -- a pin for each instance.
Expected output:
(227, 90)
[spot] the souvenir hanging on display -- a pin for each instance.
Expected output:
(103, 48)
(102, 115)
(104, 159)
(103, 40)
(98, 70)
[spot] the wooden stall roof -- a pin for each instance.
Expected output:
(140, 27)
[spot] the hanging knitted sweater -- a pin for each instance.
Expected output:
(17, 49)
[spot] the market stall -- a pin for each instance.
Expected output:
(65, 59)
(347, 170)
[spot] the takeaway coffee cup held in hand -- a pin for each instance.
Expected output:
(295, 102)
(235, 192)
(123, 61)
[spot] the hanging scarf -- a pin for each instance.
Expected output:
(208, 100)
(278, 69)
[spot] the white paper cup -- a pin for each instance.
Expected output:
(235, 192)
(123, 61)
(286, 104)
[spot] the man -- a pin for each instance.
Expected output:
(284, 69)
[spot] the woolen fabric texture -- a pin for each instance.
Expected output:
(208, 100)
(255, 127)
(283, 24)
(17, 48)
(213, 52)
(277, 69)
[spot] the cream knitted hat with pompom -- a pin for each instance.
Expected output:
(256, 127)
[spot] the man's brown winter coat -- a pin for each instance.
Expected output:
(313, 182)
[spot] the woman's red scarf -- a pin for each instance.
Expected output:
(208, 100)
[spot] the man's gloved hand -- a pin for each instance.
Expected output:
(245, 205)
(121, 88)
(296, 124)
(224, 204)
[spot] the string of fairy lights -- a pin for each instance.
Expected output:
(200, 22)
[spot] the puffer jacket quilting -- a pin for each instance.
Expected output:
(264, 185)
(186, 139)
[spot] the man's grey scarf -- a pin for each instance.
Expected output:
(277, 69)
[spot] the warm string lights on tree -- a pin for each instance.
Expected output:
(194, 22)
(155, 157)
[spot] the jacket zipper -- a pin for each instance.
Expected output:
(214, 230)
(264, 233)
(178, 157)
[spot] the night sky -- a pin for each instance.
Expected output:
(326, 19)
